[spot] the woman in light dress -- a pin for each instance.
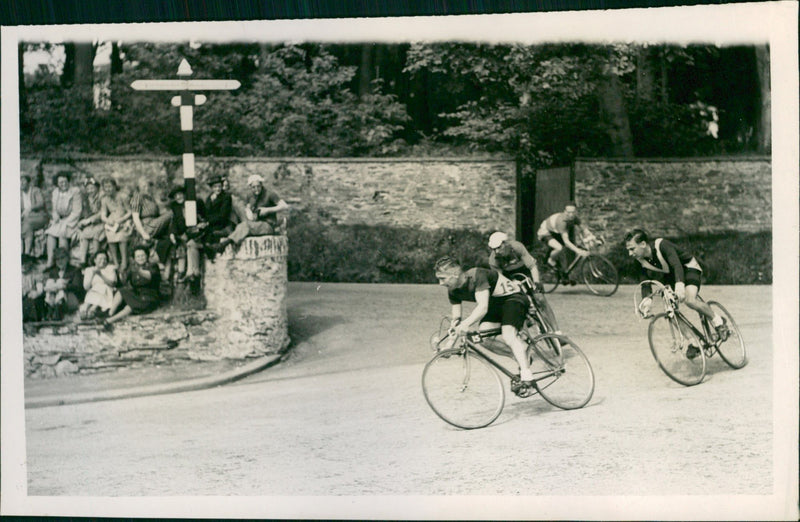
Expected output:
(92, 229)
(34, 212)
(116, 216)
(66, 208)
(99, 281)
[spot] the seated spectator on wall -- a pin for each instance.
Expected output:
(117, 223)
(185, 241)
(66, 211)
(99, 281)
(150, 222)
(34, 212)
(218, 209)
(63, 287)
(33, 307)
(91, 231)
(139, 291)
(259, 214)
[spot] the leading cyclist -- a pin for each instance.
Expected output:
(499, 302)
(680, 270)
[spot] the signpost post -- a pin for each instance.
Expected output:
(186, 101)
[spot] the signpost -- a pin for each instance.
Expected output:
(186, 100)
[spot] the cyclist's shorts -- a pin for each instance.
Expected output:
(551, 235)
(509, 310)
(691, 276)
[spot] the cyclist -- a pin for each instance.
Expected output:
(510, 257)
(557, 232)
(682, 273)
(499, 301)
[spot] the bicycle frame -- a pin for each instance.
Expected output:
(578, 259)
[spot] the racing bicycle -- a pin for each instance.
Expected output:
(680, 348)
(597, 272)
(463, 386)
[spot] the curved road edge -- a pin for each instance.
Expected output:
(158, 389)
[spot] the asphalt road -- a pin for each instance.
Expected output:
(345, 415)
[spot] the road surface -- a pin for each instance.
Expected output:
(345, 415)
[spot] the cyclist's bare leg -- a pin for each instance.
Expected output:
(519, 349)
(555, 251)
(699, 306)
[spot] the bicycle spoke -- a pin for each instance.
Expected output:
(463, 389)
(549, 276)
(676, 350)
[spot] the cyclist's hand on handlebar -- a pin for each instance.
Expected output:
(680, 291)
(583, 253)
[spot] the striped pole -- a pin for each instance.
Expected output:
(186, 101)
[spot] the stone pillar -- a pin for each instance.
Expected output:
(246, 289)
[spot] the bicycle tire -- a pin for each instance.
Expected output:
(600, 275)
(732, 350)
(549, 277)
(669, 347)
(463, 389)
(564, 376)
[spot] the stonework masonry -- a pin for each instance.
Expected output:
(674, 198)
(428, 193)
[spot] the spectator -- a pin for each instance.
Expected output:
(91, 231)
(33, 307)
(117, 223)
(67, 207)
(63, 287)
(139, 292)
(186, 239)
(34, 212)
(150, 222)
(258, 215)
(218, 207)
(99, 282)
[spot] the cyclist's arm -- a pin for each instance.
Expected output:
(481, 307)
(455, 314)
(568, 242)
(527, 259)
(673, 259)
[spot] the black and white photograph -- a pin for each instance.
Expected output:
(507, 266)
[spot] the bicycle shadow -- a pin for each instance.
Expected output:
(535, 405)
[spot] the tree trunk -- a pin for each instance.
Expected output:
(615, 115)
(664, 78)
(764, 125)
(84, 63)
(365, 69)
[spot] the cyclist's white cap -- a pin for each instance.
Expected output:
(496, 239)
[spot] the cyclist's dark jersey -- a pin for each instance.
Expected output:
(667, 259)
(477, 279)
(515, 258)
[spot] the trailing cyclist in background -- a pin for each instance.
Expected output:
(679, 269)
(510, 257)
(558, 231)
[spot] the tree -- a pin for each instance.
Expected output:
(764, 127)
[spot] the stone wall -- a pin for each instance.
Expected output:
(408, 192)
(675, 197)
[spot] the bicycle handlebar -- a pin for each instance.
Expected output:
(670, 299)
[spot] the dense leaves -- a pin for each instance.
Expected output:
(543, 104)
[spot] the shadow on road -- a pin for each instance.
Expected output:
(303, 326)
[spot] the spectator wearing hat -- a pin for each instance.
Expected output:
(149, 221)
(34, 212)
(63, 287)
(67, 207)
(117, 224)
(258, 216)
(91, 231)
(186, 240)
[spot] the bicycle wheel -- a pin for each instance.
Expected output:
(669, 347)
(549, 277)
(463, 389)
(563, 375)
(600, 275)
(731, 350)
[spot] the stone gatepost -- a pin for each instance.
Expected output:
(246, 289)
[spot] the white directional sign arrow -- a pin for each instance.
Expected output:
(185, 85)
